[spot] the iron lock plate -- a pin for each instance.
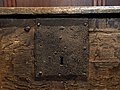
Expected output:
(61, 48)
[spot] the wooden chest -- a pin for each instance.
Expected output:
(60, 48)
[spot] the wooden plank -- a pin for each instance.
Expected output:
(113, 2)
(5, 3)
(49, 3)
(13, 3)
(9, 3)
(99, 2)
(1, 3)
(103, 2)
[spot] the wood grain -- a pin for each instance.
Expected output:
(17, 58)
(44, 3)
(52, 3)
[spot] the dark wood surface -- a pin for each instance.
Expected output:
(1, 3)
(51, 3)
(113, 2)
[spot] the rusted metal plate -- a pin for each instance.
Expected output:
(61, 48)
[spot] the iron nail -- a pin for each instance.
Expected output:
(27, 28)
(85, 24)
(38, 24)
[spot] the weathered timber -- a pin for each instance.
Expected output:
(18, 41)
(60, 10)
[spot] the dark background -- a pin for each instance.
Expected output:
(49, 3)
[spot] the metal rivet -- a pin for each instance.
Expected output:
(71, 28)
(48, 28)
(84, 48)
(85, 24)
(62, 52)
(38, 24)
(27, 28)
(55, 52)
(62, 28)
(60, 37)
(49, 57)
(65, 47)
(84, 74)
(59, 74)
(39, 74)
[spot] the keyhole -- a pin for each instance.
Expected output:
(61, 60)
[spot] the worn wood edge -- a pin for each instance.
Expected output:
(59, 10)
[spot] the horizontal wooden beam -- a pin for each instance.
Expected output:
(59, 10)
